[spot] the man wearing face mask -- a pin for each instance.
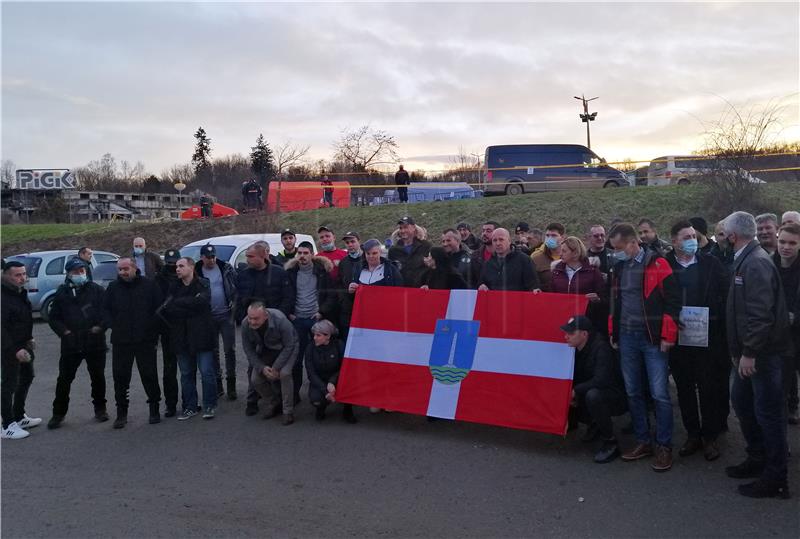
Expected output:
(77, 318)
(327, 245)
(550, 252)
(700, 372)
(149, 264)
(643, 324)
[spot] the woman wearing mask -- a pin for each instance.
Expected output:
(187, 312)
(573, 274)
(323, 359)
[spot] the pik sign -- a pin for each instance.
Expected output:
(45, 179)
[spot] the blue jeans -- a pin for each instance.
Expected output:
(188, 365)
(761, 409)
(637, 356)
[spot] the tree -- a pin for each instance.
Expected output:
(365, 147)
(289, 155)
(151, 184)
(201, 157)
(261, 162)
(8, 173)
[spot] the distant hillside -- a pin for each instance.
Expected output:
(575, 209)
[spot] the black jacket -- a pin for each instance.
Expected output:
(472, 242)
(714, 289)
(270, 285)
(461, 261)
(78, 309)
(17, 320)
(411, 264)
(187, 312)
(513, 272)
(596, 367)
(326, 293)
(391, 275)
(442, 279)
(228, 279)
(476, 266)
(129, 310)
(756, 315)
(323, 363)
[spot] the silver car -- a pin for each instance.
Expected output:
(46, 273)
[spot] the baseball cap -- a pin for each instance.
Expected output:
(325, 228)
(74, 263)
(287, 232)
(208, 250)
(406, 220)
(699, 225)
(523, 227)
(351, 235)
(578, 323)
(171, 256)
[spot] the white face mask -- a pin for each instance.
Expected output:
(78, 279)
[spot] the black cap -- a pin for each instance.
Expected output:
(523, 227)
(578, 323)
(171, 256)
(700, 225)
(287, 232)
(307, 245)
(74, 263)
(323, 227)
(407, 220)
(351, 234)
(208, 250)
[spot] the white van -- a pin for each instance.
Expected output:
(684, 169)
(232, 249)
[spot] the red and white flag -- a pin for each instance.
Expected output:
(487, 357)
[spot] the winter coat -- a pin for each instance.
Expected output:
(756, 315)
(326, 293)
(277, 348)
(411, 264)
(661, 299)
(129, 310)
(542, 260)
(323, 363)
(461, 261)
(597, 368)
(391, 275)
(187, 312)
(228, 279)
(17, 320)
(78, 309)
(442, 279)
(477, 261)
(513, 272)
(270, 285)
(472, 242)
(587, 280)
(152, 264)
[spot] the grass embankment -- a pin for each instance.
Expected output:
(12, 234)
(575, 209)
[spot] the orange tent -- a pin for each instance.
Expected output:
(296, 196)
(217, 211)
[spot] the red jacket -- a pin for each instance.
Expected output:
(334, 256)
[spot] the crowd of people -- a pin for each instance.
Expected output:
(719, 314)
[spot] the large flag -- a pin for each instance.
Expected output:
(488, 357)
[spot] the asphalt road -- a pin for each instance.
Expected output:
(390, 475)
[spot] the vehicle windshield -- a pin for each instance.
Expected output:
(105, 271)
(32, 264)
(224, 252)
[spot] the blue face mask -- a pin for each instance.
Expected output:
(551, 243)
(622, 256)
(78, 279)
(138, 251)
(689, 246)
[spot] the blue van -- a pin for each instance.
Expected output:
(526, 168)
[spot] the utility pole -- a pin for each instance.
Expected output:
(587, 117)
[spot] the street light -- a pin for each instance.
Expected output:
(179, 186)
(587, 117)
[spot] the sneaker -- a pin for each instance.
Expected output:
(639, 452)
(14, 432)
(251, 409)
(747, 469)
(663, 461)
(608, 451)
(55, 421)
(209, 412)
(188, 413)
(171, 411)
(765, 489)
(29, 422)
(690, 447)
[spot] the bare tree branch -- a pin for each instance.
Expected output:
(288, 154)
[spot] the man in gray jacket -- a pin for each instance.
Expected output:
(270, 344)
(758, 340)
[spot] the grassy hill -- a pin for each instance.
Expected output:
(575, 209)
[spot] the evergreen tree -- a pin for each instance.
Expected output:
(201, 157)
(261, 162)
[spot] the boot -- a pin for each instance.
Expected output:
(232, 388)
(155, 414)
(122, 418)
(100, 413)
(220, 389)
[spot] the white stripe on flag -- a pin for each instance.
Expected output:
(444, 398)
(508, 356)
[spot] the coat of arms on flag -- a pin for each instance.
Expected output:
(487, 357)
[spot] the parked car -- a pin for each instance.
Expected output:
(526, 168)
(104, 273)
(684, 169)
(46, 273)
(232, 248)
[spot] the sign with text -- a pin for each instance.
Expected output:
(694, 327)
(45, 179)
